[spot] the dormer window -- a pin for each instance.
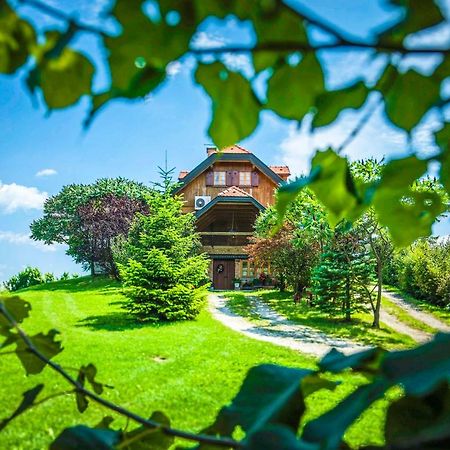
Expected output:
(220, 178)
(245, 178)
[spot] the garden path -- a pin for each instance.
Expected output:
(417, 313)
(278, 330)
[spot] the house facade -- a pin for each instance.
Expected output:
(226, 192)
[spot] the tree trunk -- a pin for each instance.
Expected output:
(347, 301)
(376, 313)
(92, 269)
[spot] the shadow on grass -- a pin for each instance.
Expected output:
(118, 321)
(359, 329)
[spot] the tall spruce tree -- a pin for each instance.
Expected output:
(165, 277)
(342, 275)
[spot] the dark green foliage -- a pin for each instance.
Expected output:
(343, 273)
(30, 276)
(164, 276)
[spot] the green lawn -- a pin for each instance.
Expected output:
(187, 370)
(359, 329)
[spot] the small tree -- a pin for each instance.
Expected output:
(343, 274)
(164, 276)
(294, 250)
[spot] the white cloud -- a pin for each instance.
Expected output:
(24, 239)
(15, 196)
(173, 68)
(46, 173)
(202, 40)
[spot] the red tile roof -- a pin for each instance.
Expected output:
(233, 191)
(182, 174)
(281, 170)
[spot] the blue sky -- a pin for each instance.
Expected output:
(39, 154)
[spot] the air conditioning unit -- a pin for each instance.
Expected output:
(201, 201)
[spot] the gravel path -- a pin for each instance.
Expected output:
(392, 322)
(417, 313)
(278, 330)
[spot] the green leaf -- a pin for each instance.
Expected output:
(315, 382)
(335, 361)
(273, 25)
(394, 368)
(434, 356)
(27, 402)
(65, 79)
(416, 421)
(87, 373)
(18, 308)
(419, 15)
(276, 437)
(408, 213)
(146, 46)
(235, 106)
(288, 192)
(261, 401)
(331, 103)
(330, 179)
(82, 437)
(305, 82)
(335, 187)
(144, 438)
(328, 429)
(17, 38)
(105, 422)
(443, 141)
(403, 106)
(45, 344)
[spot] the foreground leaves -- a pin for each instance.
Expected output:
(407, 209)
(235, 106)
(17, 39)
(45, 344)
(82, 437)
(261, 402)
(28, 401)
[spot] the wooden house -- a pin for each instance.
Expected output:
(226, 192)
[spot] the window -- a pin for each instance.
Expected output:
(248, 270)
(245, 178)
(220, 178)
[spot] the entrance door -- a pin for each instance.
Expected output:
(223, 274)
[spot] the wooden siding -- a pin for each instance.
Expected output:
(264, 193)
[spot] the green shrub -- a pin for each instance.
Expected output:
(30, 276)
(164, 276)
(49, 277)
(423, 270)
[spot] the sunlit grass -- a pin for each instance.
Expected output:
(188, 370)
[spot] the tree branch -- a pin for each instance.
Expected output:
(220, 442)
(342, 42)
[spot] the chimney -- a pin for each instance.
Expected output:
(211, 150)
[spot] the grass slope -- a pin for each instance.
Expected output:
(358, 330)
(187, 370)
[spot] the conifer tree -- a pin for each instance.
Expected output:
(341, 278)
